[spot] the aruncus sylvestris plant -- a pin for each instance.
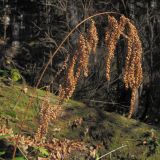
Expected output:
(79, 66)
(132, 76)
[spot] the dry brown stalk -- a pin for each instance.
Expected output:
(81, 58)
(48, 113)
(112, 35)
(132, 103)
(63, 67)
(67, 90)
(133, 68)
(83, 50)
(92, 37)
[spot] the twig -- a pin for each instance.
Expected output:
(112, 151)
(113, 103)
(22, 153)
(52, 5)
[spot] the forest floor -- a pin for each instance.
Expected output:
(99, 130)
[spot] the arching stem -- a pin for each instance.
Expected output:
(64, 40)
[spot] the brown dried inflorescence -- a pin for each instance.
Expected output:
(66, 91)
(60, 149)
(11, 137)
(92, 37)
(133, 68)
(5, 131)
(48, 113)
(82, 54)
(84, 51)
(112, 35)
(85, 46)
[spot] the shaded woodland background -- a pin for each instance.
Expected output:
(32, 29)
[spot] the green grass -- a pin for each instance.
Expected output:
(110, 130)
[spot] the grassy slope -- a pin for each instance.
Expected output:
(107, 129)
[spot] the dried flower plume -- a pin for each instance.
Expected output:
(112, 35)
(133, 68)
(92, 37)
(48, 113)
(81, 58)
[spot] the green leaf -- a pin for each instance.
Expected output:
(2, 153)
(5, 136)
(15, 75)
(43, 151)
(97, 156)
(150, 140)
(10, 113)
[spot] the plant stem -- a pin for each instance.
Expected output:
(50, 59)
(109, 153)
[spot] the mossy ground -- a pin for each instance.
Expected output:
(108, 130)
